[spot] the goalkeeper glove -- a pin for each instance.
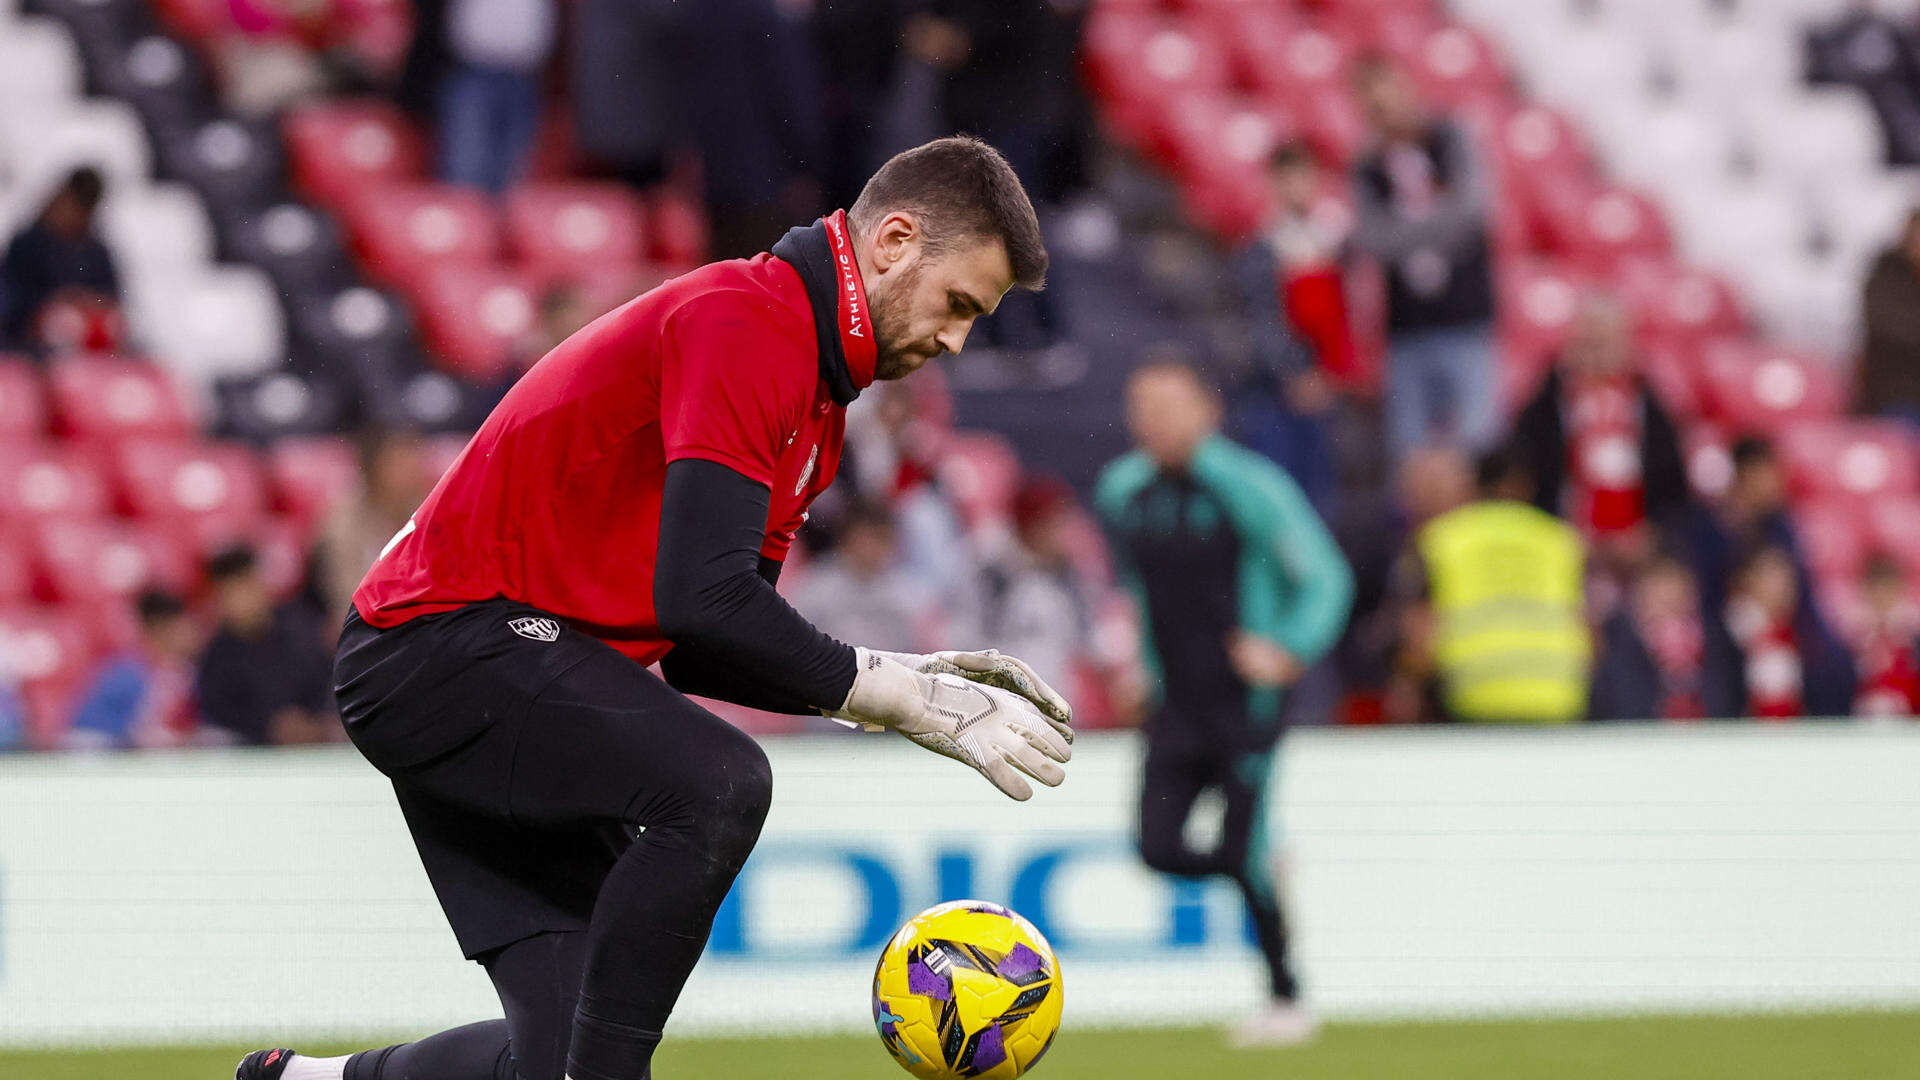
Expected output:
(997, 732)
(995, 668)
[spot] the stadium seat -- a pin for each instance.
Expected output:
(338, 149)
(163, 81)
(195, 20)
(405, 231)
(43, 482)
(1455, 64)
(1598, 228)
(16, 570)
(1537, 302)
(23, 403)
(48, 651)
(1894, 528)
(39, 65)
(1860, 459)
(981, 471)
(107, 562)
(353, 333)
(163, 481)
(111, 398)
(676, 229)
(1834, 536)
(311, 476)
(1810, 139)
(264, 408)
(1670, 300)
(217, 322)
(477, 319)
(231, 163)
(299, 247)
(1759, 389)
(569, 227)
(46, 141)
(156, 231)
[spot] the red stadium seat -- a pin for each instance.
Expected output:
(567, 227)
(23, 404)
(1670, 367)
(196, 20)
(479, 319)
(1861, 459)
(51, 482)
(166, 481)
(676, 229)
(1599, 228)
(407, 231)
(1172, 61)
(16, 569)
(48, 652)
(1673, 301)
(1893, 526)
(1455, 64)
(101, 562)
(1834, 536)
(1759, 389)
(336, 150)
(982, 471)
(108, 398)
(1537, 303)
(1333, 125)
(1296, 59)
(312, 476)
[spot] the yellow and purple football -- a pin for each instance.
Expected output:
(967, 989)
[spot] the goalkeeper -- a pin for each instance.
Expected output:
(630, 501)
(1240, 588)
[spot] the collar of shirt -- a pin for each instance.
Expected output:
(823, 255)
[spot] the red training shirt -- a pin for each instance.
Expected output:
(556, 500)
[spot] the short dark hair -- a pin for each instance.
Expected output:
(157, 606)
(229, 563)
(1499, 465)
(1750, 450)
(960, 187)
(86, 185)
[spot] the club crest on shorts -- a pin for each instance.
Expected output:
(532, 626)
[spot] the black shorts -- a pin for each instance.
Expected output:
(523, 754)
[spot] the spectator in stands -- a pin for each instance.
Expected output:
(1034, 605)
(1497, 615)
(1291, 286)
(270, 55)
(1889, 644)
(1752, 516)
(57, 258)
(490, 98)
(749, 89)
(861, 592)
(1602, 450)
(1890, 358)
(394, 479)
(1791, 669)
(265, 677)
(1422, 201)
(144, 696)
(1389, 601)
(1659, 660)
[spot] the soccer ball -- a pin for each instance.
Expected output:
(967, 989)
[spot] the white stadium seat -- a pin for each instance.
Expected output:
(158, 229)
(1815, 138)
(38, 63)
(214, 323)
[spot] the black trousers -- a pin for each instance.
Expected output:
(1177, 771)
(580, 822)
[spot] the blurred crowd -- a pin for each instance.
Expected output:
(1556, 562)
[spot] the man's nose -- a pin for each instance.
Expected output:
(953, 337)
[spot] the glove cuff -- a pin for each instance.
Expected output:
(884, 692)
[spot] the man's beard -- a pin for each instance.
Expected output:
(889, 316)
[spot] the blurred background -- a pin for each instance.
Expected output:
(1650, 266)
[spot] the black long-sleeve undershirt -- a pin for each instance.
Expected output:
(735, 638)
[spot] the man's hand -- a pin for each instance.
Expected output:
(995, 731)
(1260, 662)
(995, 668)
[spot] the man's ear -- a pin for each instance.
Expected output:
(896, 238)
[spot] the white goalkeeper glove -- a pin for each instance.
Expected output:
(996, 731)
(995, 668)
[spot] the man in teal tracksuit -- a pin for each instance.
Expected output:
(1241, 589)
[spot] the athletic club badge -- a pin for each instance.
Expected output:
(536, 628)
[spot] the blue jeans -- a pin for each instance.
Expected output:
(488, 118)
(1437, 376)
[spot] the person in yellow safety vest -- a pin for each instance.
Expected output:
(1503, 627)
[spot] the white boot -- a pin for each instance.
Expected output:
(1279, 1023)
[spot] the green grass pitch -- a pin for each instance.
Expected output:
(1848, 1046)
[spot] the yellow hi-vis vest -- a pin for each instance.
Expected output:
(1511, 642)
